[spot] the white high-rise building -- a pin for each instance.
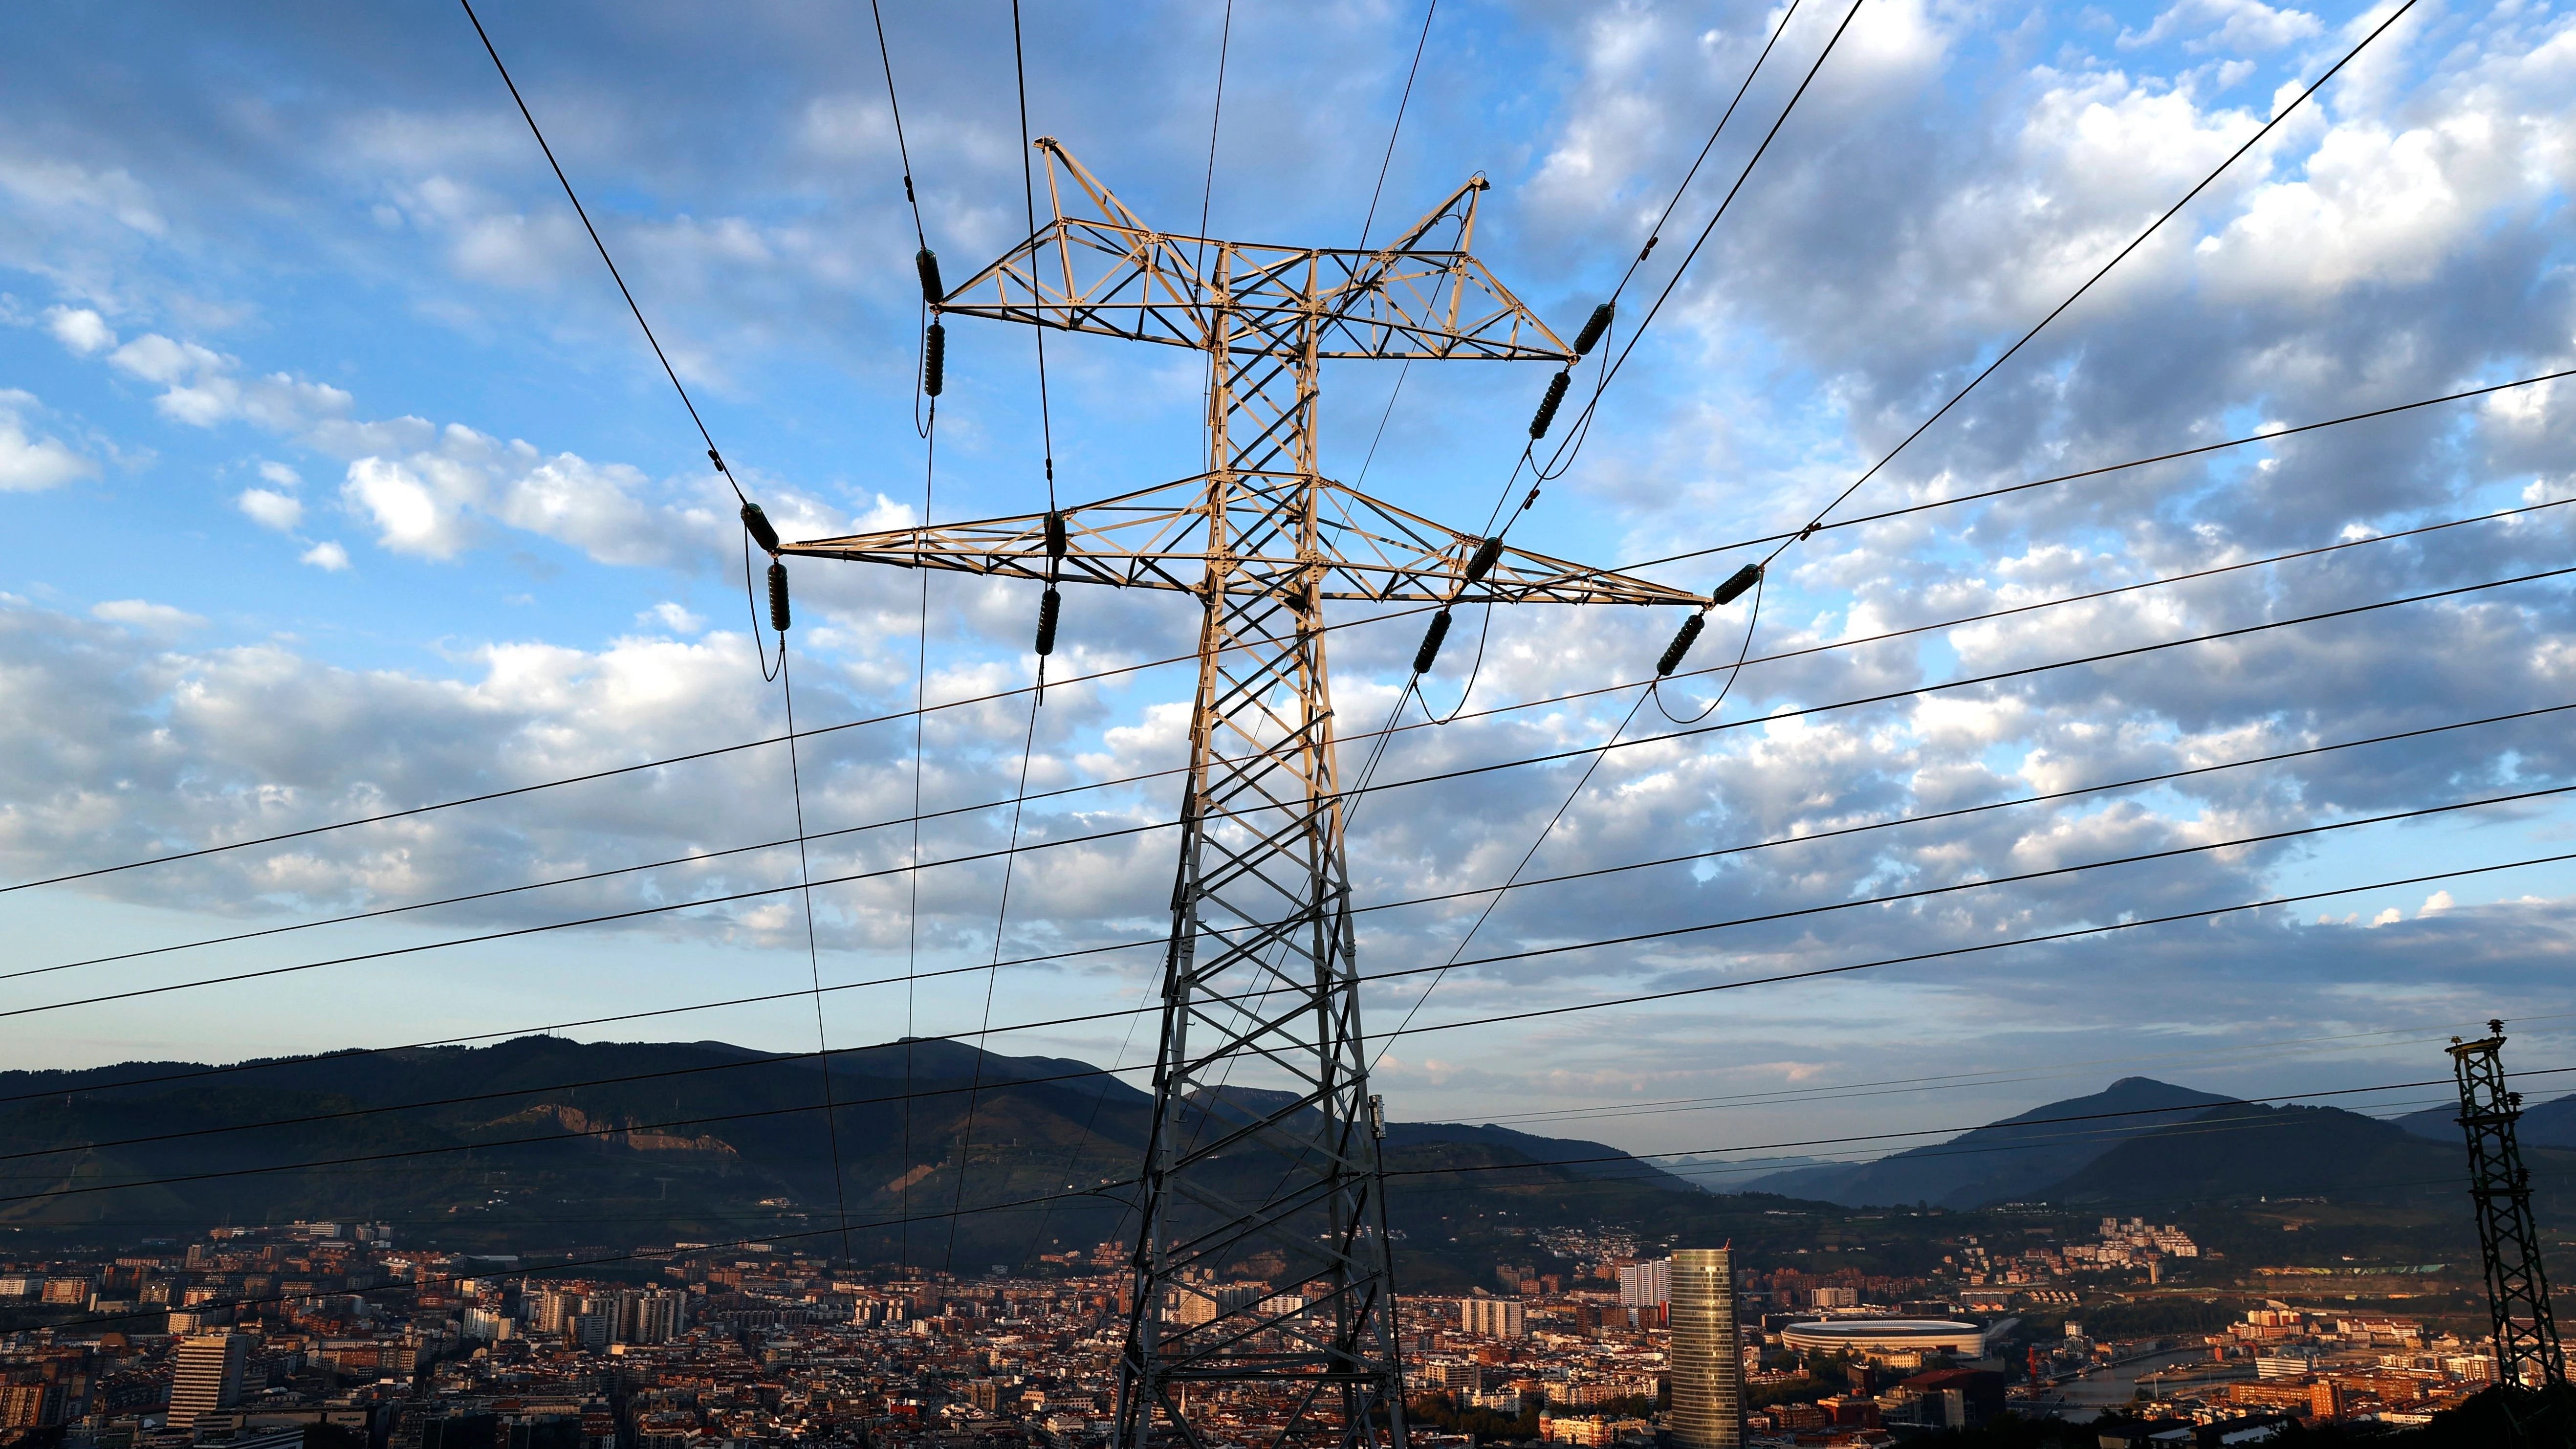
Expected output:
(1707, 1357)
(1493, 1317)
(550, 1310)
(208, 1376)
(1643, 1285)
(651, 1316)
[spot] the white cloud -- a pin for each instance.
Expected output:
(427, 489)
(327, 556)
(147, 617)
(271, 510)
(2388, 917)
(61, 186)
(202, 387)
(673, 617)
(2232, 26)
(31, 462)
(80, 329)
(410, 513)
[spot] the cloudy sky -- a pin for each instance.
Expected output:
(338, 480)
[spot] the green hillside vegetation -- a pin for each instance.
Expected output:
(494, 1149)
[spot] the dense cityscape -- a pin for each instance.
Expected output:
(330, 1335)
(1916, 818)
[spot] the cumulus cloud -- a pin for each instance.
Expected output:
(2399, 239)
(147, 617)
(80, 329)
(435, 500)
(2230, 26)
(29, 461)
(673, 617)
(427, 490)
(280, 511)
(203, 387)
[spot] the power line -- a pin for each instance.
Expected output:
(2152, 227)
(667, 760)
(1734, 671)
(2246, 1101)
(1393, 131)
(2045, 938)
(1960, 812)
(992, 978)
(1898, 1135)
(1039, 1200)
(1689, 1171)
(2192, 452)
(1580, 428)
(1511, 880)
(1990, 677)
(1381, 736)
(1655, 233)
(503, 1094)
(611, 262)
(902, 151)
(2377, 1039)
(1348, 623)
(813, 950)
(1994, 676)
(1029, 195)
(1133, 1013)
(1885, 899)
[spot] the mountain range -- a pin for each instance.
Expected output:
(936, 1151)
(546, 1142)
(2019, 1157)
(2141, 1140)
(2546, 1124)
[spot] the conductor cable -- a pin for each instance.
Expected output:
(2105, 656)
(1593, 1005)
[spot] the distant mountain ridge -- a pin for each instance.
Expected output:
(543, 1140)
(2546, 1124)
(2019, 1157)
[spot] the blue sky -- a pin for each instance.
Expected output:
(337, 478)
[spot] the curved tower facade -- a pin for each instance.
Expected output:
(1707, 1358)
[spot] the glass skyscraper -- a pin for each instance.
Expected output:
(1707, 1359)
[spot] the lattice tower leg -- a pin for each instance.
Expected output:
(1261, 991)
(2526, 1335)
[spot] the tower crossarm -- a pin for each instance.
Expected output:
(1157, 538)
(1102, 270)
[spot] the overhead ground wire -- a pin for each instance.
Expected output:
(894, 105)
(1856, 702)
(1889, 898)
(576, 1264)
(813, 952)
(1123, 670)
(1378, 738)
(2264, 435)
(1509, 881)
(2301, 99)
(992, 978)
(92, 1186)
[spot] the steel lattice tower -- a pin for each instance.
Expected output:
(2526, 1337)
(1259, 976)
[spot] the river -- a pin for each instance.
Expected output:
(2081, 1400)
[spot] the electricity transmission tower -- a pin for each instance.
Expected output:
(1278, 1175)
(2526, 1337)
